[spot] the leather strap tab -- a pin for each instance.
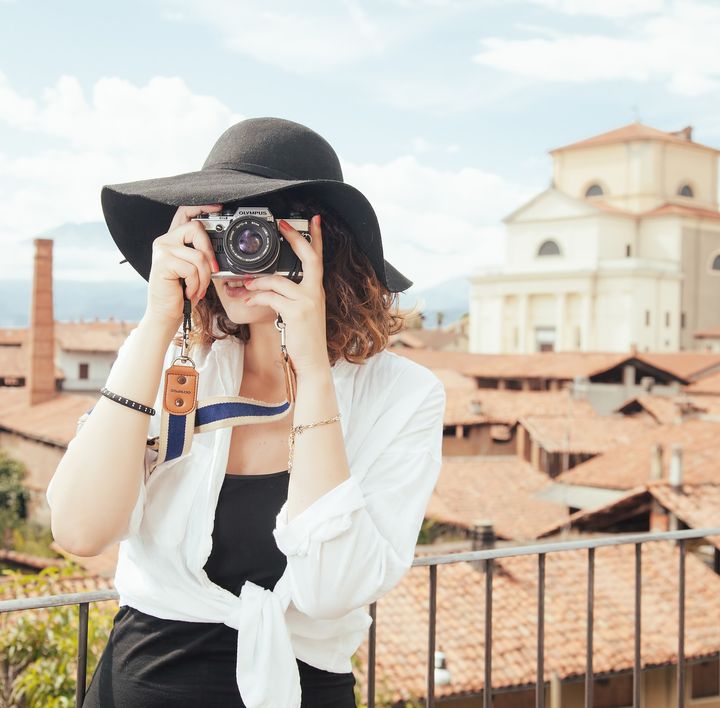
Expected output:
(181, 384)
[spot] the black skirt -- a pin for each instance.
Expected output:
(151, 662)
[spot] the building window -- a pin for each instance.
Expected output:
(594, 190)
(613, 692)
(667, 319)
(628, 250)
(549, 248)
(686, 191)
(84, 371)
(647, 318)
(682, 320)
(545, 339)
(706, 679)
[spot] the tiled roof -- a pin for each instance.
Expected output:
(584, 435)
(402, 619)
(95, 336)
(708, 385)
(682, 210)
(14, 361)
(697, 505)
(54, 421)
(424, 338)
(499, 489)
(686, 365)
(672, 409)
(507, 406)
(627, 466)
(632, 131)
(452, 379)
(554, 365)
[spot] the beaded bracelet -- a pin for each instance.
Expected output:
(127, 402)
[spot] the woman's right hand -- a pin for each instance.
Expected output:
(172, 259)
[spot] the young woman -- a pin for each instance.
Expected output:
(247, 562)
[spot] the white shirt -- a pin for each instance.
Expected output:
(346, 550)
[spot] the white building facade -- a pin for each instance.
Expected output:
(621, 252)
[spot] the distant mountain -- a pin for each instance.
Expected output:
(451, 297)
(75, 299)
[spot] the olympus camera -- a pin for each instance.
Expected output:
(246, 240)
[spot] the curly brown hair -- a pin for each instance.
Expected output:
(361, 313)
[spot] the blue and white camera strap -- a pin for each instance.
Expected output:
(176, 431)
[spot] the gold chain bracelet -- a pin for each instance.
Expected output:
(297, 429)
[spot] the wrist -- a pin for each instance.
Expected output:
(315, 374)
(160, 327)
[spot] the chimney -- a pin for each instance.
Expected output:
(656, 462)
(659, 519)
(41, 335)
(442, 675)
(483, 535)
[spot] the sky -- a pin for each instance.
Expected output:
(442, 111)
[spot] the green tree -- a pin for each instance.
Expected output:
(39, 647)
(13, 496)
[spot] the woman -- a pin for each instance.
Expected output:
(262, 545)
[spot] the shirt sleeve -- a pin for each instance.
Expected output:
(354, 544)
(150, 453)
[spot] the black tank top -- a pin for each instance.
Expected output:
(153, 662)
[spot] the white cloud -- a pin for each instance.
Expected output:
(297, 37)
(436, 223)
(120, 132)
(678, 47)
(607, 8)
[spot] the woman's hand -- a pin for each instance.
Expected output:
(301, 305)
(172, 259)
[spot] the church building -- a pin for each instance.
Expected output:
(622, 251)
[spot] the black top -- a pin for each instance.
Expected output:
(154, 662)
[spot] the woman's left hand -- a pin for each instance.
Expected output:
(301, 305)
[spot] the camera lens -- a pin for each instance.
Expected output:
(249, 241)
(251, 244)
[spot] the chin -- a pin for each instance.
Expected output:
(240, 313)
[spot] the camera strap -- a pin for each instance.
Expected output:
(182, 415)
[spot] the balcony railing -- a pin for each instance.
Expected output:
(488, 557)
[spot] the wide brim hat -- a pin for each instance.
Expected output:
(251, 159)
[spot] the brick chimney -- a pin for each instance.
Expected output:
(40, 381)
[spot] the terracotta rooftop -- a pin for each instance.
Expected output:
(635, 131)
(686, 365)
(54, 421)
(696, 505)
(95, 336)
(708, 385)
(555, 365)
(709, 333)
(671, 409)
(499, 489)
(14, 360)
(424, 338)
(455, 380)
(682, 210)
(628, 465)
(506, 406)
(402, 619)
(588, 435)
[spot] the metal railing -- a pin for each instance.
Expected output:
(488, 556)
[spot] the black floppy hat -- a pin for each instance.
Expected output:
(253, 158)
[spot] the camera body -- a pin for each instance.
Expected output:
(246, 240)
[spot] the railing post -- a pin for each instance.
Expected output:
(638, 625)
(681, 627)
(540, 680)
(431, 638)
(589, 640)
(487, 683)
(372, 638)
(83, 609)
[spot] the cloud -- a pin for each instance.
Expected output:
(608, 8)
(437, 224)
(300, 38)
(119, 132)
(678, 48)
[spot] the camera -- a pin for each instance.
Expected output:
(246, 240)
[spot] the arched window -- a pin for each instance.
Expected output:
(594, 190)
(716, 263)
(550, 248)
(686, 191)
